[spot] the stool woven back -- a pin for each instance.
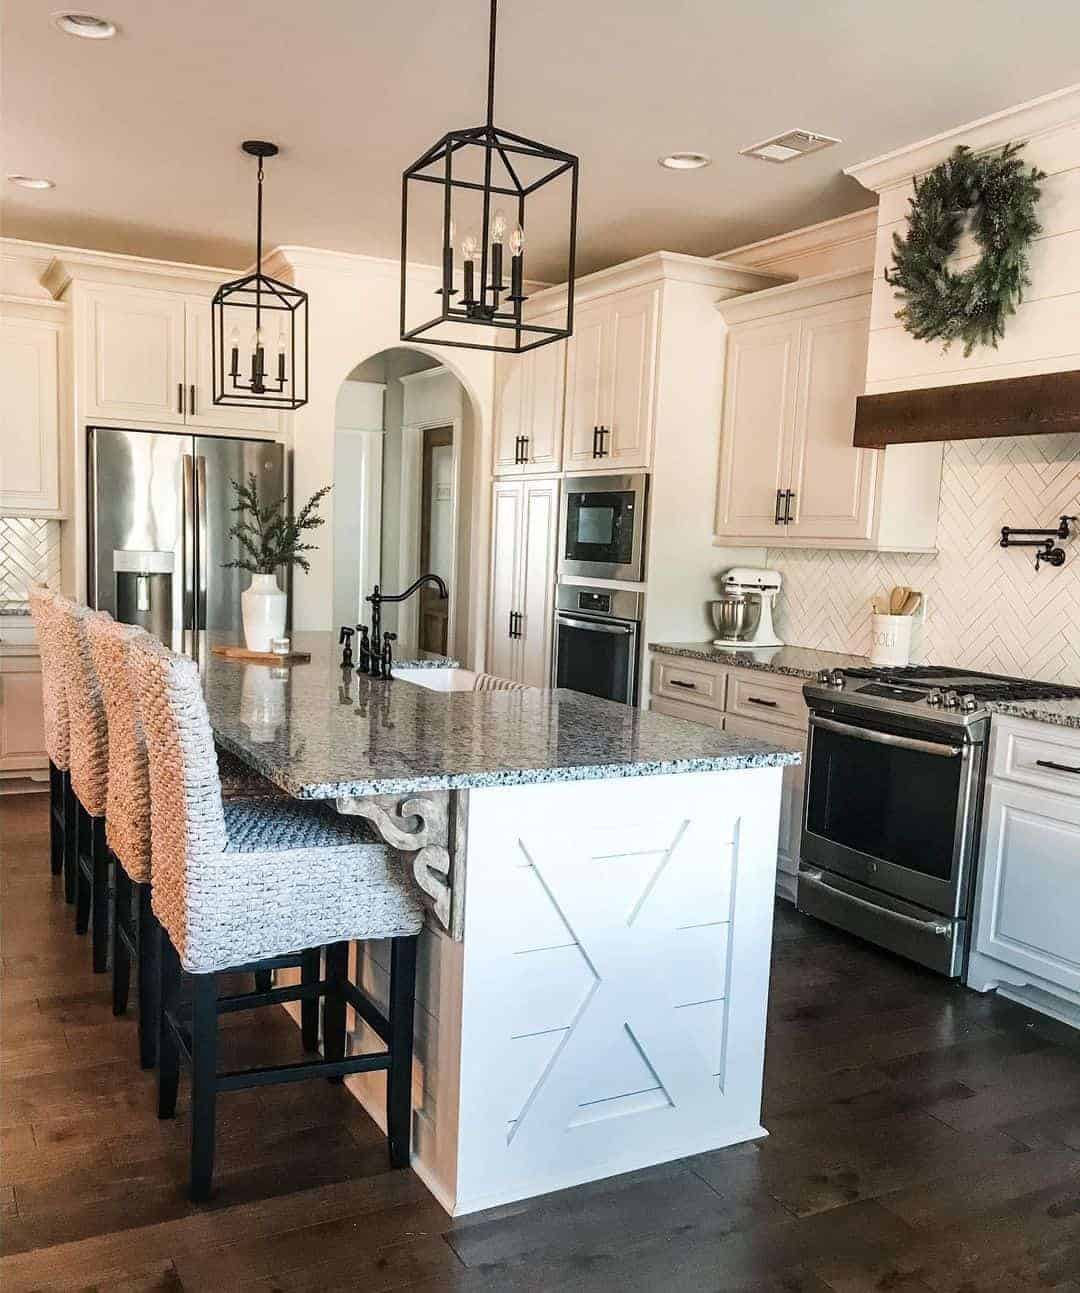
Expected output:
(86, 711)
(492, 682)
(127, 806)
(53, 692)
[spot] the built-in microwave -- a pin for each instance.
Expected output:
(603, 526)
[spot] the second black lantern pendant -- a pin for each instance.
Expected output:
(474, 190)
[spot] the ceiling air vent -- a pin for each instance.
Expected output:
(788, 146)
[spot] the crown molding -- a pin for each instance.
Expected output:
(838, 232)
(39, 309)
(804, 292)
(1024, 121)
(64, 265)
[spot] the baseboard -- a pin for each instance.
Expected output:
(1044, 1002)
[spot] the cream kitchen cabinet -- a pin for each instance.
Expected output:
(1026, 935)
(529, 398)
(610, 383)
(147, 359)
(789, 473)
(22, 728)
(30, 450)
(710, 692)
(525, 515)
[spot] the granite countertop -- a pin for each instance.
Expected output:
(320, 733)
(1058, 713)
(796, 662)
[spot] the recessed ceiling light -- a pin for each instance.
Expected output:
(788, 146)
(31, 182)
(85, 25)
(685, 161)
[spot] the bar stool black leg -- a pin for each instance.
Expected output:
(203, 1084)
(121, 957)
(84, 833)
(71, 840)
(337, 970)
(168, 1046)
(264, 980)
(100, 859)
(149, 971)
(56, 819)
(309, 1007)
(399, 1076)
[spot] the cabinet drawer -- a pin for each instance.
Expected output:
(685, 682)
(1033, 754)
(695, 713)
(763, 697)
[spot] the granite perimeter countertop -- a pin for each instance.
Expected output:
(1058, 713)
(320, 732)
(796, 662)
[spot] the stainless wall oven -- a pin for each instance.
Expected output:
(597, 645)
(603, 527)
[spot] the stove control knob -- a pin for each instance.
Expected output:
(836, 678)
(969, 702)
(951, 699)
(934, 698)
(824, 677)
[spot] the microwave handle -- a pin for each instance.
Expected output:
(943, 928)
(619, 630)
(887, 738)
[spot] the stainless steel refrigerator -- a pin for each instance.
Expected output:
(159, 517)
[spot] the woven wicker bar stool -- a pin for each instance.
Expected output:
(89, 775)
(63, 838)
(243, 885)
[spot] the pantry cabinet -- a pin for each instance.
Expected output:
(147, 359)
(1028, 889)
(789, 473)
(529, 393)
(524, 535)
(610, 383)
(30, 454)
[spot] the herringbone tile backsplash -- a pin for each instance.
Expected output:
(29, 553)
(987, 608)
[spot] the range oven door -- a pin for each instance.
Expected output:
(892, 810)
(604, 527)
(598, 657)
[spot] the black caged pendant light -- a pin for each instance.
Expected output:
(259, 329)
(482, 181)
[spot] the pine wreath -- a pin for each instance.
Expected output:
(1000, 195)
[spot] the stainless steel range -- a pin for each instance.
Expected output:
(894, 782)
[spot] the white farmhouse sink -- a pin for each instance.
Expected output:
(438, 679)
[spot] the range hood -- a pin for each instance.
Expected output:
(1046, 404)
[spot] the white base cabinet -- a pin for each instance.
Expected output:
(525, 523)
(731, 699)
(22, 724)
(1027, 905)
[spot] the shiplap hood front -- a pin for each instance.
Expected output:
(1030, 384)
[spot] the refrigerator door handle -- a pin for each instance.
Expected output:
(188, 541)
(200, 499)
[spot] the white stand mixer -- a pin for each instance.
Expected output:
(743, 614)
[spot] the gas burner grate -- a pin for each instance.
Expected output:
(984, 686)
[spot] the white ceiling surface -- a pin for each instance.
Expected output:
(141, 133)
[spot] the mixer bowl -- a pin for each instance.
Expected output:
(735, 616)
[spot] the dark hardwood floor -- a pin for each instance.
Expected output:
(922, 1138)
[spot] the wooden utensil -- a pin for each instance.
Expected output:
(897, 599)
(911, 603)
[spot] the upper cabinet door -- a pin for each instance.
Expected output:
(199, 403)
(135, 360)
(511, 380)
(542, 426)
(30, 443)
(536, 580)
(759, 414)
(586, 385)
(832, 482)
(628, 419)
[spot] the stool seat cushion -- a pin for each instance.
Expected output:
(260, 825)
(238, 781)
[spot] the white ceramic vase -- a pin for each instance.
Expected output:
(263, 609)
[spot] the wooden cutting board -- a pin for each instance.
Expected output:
(261, 657)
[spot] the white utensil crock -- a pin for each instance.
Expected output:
(263, 609)
(891, 639)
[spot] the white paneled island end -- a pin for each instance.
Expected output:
(594, 971)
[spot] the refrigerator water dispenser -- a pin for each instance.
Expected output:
(144, 591)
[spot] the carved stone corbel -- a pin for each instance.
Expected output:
(431, 826)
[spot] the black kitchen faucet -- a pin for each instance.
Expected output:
(377, 660)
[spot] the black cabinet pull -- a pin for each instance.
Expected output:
(524, 449)
(180, 398)
(1057, 767)
(510, 629)
(678, 682)
(191, 401)
(597, 452)
(756, 700)
(777, 517)
(603, 447)
(789, 495)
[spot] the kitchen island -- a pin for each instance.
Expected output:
(595, 966)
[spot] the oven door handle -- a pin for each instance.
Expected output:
(939, 927)
(888, 738)
(620, 630)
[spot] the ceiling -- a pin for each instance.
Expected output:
(141, 133)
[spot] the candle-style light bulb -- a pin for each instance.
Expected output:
(498, 226)
(517, 241)
(469, 247)
(517, 266)
(234, 358)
